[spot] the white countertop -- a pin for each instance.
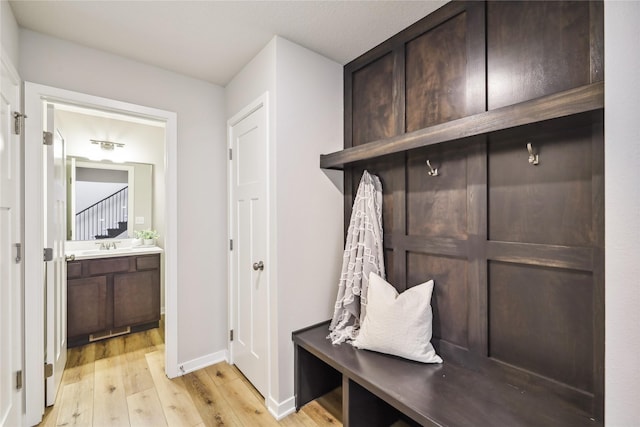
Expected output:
(94, 253)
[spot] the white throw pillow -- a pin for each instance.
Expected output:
(398, 324)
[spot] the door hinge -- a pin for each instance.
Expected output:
(48, 254)
(47, 138)
(48, 370)
(230, 244)
(18, 122)
(230, 154)
(231, 335)
(18, 252)
(19, 380)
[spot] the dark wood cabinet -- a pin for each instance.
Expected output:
(86, 306)
(516, 249)
(136, 298)
(111, 296)
(535, 48)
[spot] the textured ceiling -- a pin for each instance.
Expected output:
(213, 40)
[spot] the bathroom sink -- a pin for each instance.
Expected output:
(108, 253)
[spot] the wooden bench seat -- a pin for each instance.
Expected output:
(378, 389)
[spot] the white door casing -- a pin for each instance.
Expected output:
(249, 264)
(34, 321)
(55, 226)
(11, 284)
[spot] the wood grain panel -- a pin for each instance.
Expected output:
(541, 319)
(74, 269)
(107, 265)
(76, 404)
(388, 265)
(575, 258)
(437, 205)
(178, 407)
(86, 305)
(569, 103)
(596, 21)
(450, 293)
(436, 71)
(136, 298)
(535, 48)
(145, 409)
(109, 399)
(549, 203)
(211, 404)
(372, 99)
(148, 262)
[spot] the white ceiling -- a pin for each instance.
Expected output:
(212, 40)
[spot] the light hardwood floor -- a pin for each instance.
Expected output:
(121, 382)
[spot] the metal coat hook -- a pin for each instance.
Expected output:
(533, 157)
(432, 171)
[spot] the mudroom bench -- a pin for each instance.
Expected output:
(378, 390)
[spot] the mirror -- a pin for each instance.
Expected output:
(106, 199)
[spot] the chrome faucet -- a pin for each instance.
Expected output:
(105, 246)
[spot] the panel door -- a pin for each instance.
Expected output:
(56, 269)
(11, 301)
(249, 231)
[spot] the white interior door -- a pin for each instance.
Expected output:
(249, 279)
(11, 300)
(71, 198)
(55, 226)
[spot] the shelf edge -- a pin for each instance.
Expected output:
(561, 104)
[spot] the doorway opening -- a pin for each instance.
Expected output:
(81, 118)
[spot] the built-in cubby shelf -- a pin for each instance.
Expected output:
(562, 104)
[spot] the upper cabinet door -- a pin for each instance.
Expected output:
(430, 73)
(536, 48)
(445, 67)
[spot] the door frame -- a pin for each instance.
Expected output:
(17, 287)
(261, 102)
(34, 314)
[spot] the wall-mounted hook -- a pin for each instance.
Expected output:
(432, 171)
(533, 157)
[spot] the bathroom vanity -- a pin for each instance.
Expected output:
(111, 293)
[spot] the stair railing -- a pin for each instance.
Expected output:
(105, 218)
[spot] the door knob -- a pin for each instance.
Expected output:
(258, 266)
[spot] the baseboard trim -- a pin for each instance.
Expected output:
(282, 409)
(203, 362)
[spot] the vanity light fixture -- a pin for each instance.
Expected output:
(107, 145)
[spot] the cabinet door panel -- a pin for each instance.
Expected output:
(536, 48)
(444, 73)
(373, 101)
(136, 298)
(86, 306)
(107, 265)
(151, 262)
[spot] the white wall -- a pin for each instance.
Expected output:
(622, 219)
(305, 101)
(9, 32)
(201, 168)
(309, 122)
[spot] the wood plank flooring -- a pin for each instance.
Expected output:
(121, 382)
